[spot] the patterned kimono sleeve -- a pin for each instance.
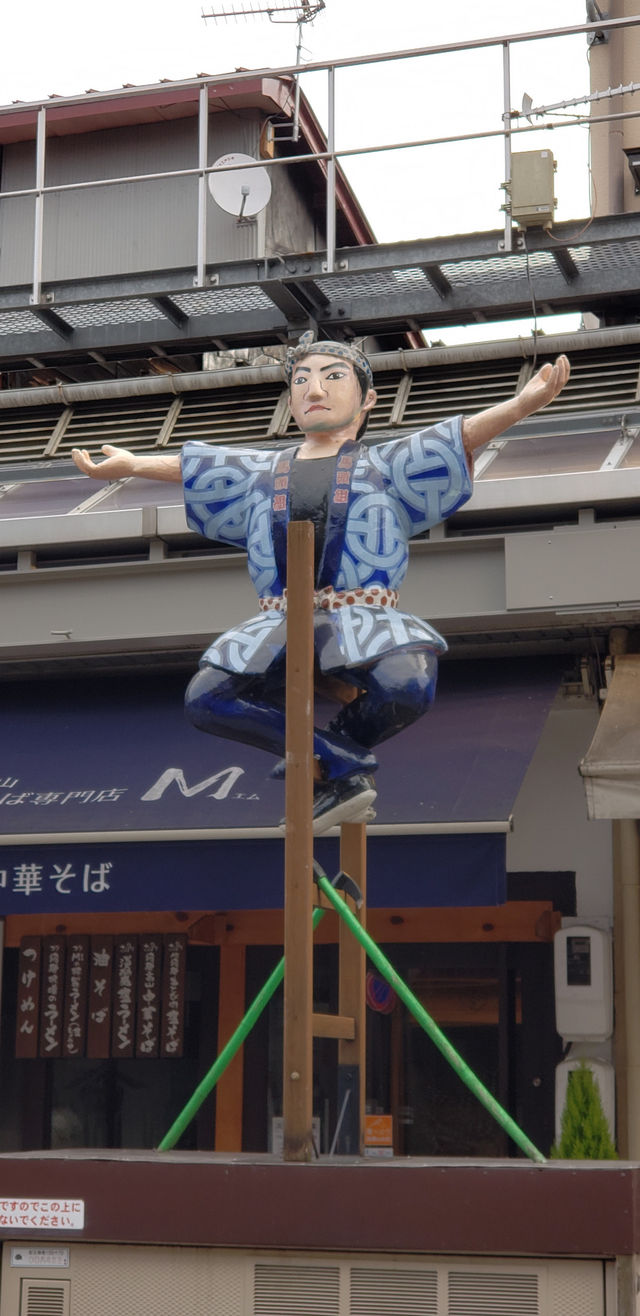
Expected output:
(219, 485)
(427, 473)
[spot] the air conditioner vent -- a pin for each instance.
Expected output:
(475, 1293)
(45, 1297)
(296, 1290)
(393, 1292)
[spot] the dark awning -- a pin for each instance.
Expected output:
(611, 766)
(110, 800)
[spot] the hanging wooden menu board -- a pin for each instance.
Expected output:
(75, 997)
(52, 996)
(123, 1026)
(28, 1005)
(102, 996)
(173, 995)
(99, 998)
(149, 996)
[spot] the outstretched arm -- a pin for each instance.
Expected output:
(119, 463)
(542, 389)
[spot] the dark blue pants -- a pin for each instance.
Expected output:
(393, 692)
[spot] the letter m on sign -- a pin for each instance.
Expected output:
(225, 781)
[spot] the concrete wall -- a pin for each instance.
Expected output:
(551, 828)
(615, 63)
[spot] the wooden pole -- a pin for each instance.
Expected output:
(231, 1010)
(352, 1069)
(297, 1076)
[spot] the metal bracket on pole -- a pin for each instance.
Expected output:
(341, 882)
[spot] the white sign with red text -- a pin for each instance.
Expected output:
(41, 1213)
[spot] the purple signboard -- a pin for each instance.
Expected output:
(114, 755)
(116, 790)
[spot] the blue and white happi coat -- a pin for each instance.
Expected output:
(381, 497)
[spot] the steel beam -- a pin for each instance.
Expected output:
(296, 299)
(168, 308)
(437, 280)
(240, 330)
(566, 264)
(53, 321)
(369, 292)
(419, 253)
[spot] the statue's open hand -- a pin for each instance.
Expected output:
(545, 386)
(117, 465)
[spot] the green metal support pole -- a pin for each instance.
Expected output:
(210, 1079)
(428, 1024)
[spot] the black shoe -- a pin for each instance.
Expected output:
(348, 799)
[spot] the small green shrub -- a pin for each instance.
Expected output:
(584, 1132)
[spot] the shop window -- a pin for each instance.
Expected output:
(110, 1102)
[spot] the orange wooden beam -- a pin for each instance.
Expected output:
(518, 920)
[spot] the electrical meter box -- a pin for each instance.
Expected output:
(532, 186)
(583, 984)
(603, 1074)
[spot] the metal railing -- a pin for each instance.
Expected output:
(328, 159)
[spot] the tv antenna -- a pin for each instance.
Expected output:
(241, 192)
(278, 11)
(303, 12)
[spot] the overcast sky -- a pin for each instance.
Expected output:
(72, 45)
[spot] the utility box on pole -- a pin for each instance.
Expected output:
(531, 189)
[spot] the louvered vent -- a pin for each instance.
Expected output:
(133, 423)
(441, 391)
(226, 415)
(25, 432)
(393, 1292)
(45, 1297)
(386, 386)
(599, 379)
(478, 1293)
(296, 1291)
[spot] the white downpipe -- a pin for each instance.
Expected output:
(243, 376)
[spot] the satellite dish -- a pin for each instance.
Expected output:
(240, 192)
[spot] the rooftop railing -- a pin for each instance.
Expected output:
(511, 128)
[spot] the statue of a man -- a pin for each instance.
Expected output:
(365, 503)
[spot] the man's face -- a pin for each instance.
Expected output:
(326, 395)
